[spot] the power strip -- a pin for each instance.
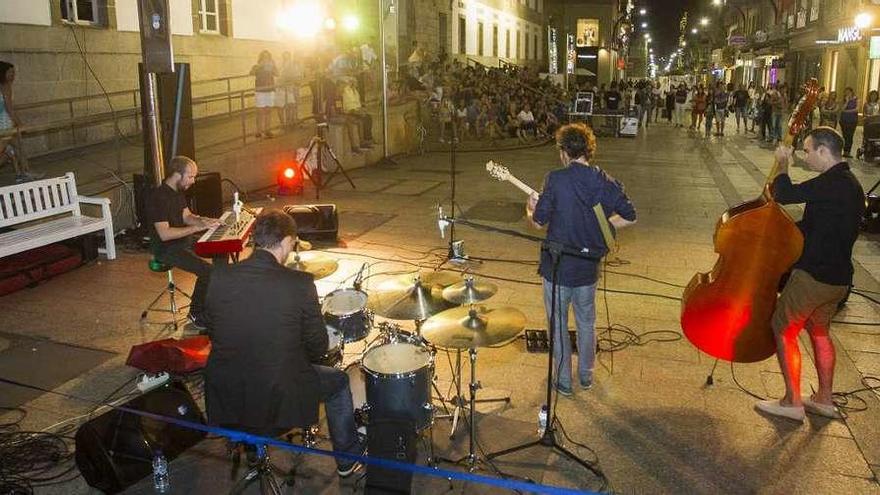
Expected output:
(149, 381)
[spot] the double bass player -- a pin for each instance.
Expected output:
(834, 206)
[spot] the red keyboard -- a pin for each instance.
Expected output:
(229, 237)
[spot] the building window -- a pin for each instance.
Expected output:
(535, 47)
(507, 44)
(874, 79)
(80, 11)
(517, 43)
(462, 36)
(209, 14)
(480, 39)
(495, 40)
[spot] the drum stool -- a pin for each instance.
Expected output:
(171, 290)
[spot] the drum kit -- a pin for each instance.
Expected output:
(394, 376)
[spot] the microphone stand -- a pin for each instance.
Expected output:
(455, 252)
(556, 250)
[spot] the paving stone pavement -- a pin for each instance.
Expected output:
(651, 420)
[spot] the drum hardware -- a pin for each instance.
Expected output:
(318, 264)
(458, 401)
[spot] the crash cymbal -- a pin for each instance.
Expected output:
(469, 327)
(318, 264)
(469, 291)
(398, 300)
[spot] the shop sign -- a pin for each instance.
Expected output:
(571, 54)
(621, 63)
(874, 49)
(552, 51)
(737, 40)
(760, 36)
(849, 34)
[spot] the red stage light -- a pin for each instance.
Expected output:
(289, 179)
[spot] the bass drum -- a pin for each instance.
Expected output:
(398, 375)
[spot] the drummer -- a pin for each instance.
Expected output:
(267, 333)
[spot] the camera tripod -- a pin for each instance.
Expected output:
(318, 144)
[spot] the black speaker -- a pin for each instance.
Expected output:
(205, 196)
(155, 25)
(315, 222)
(393, 440)
(115, 450)
(142, 188)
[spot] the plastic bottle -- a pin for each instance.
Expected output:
(161, 481)
(542, 420)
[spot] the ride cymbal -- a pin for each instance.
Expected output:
(469, 292)
(469, 327)
(318, 264)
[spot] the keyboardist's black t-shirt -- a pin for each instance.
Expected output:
(165, 205)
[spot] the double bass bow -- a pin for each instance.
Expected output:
(726, 313)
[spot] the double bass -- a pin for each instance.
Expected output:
(726, 313)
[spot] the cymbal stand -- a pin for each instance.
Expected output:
(443, 401)
(458, 400)
(471, 458)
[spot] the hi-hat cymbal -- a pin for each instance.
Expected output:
(469, 327)
(398, 300)
(469, 291)
(318, 264)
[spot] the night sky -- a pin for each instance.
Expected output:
(663, 17)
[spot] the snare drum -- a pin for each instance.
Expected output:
(346, 309)
(335, 347)
(398, 376)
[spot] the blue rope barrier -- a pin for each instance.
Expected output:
(238, 436)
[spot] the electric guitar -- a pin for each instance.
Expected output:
(502, 173)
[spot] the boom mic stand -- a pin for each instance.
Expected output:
(556, 250)
(456, 252)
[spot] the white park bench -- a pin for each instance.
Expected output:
(43, 212)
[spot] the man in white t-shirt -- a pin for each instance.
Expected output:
(526, 123)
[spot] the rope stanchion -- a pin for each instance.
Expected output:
(242, 437)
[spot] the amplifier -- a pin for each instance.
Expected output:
(315, 222)
(115, 450)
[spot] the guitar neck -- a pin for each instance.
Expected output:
(521, 185)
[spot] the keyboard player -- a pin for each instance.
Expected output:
(172, 226)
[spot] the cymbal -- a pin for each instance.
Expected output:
(469, 327)
(398, 300)
(318, 264)
(442, 278)
(469, 291)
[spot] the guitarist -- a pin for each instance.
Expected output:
(565, 206)
(834, 206)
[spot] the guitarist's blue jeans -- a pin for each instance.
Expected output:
(583, 300)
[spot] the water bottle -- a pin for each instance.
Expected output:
(542, 420)
(161, 482)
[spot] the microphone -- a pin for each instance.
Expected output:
(359, 279)
(442, 222)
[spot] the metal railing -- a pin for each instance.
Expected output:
(122, 110)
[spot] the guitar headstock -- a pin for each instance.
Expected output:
(799, 116)
(497, 171)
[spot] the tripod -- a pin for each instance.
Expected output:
(548, 439)
(318, 144)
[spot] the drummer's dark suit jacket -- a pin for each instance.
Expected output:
(267, 329)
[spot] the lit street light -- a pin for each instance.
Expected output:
(644, 25)
(863, 20)
(704, 21)
(642, 11)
